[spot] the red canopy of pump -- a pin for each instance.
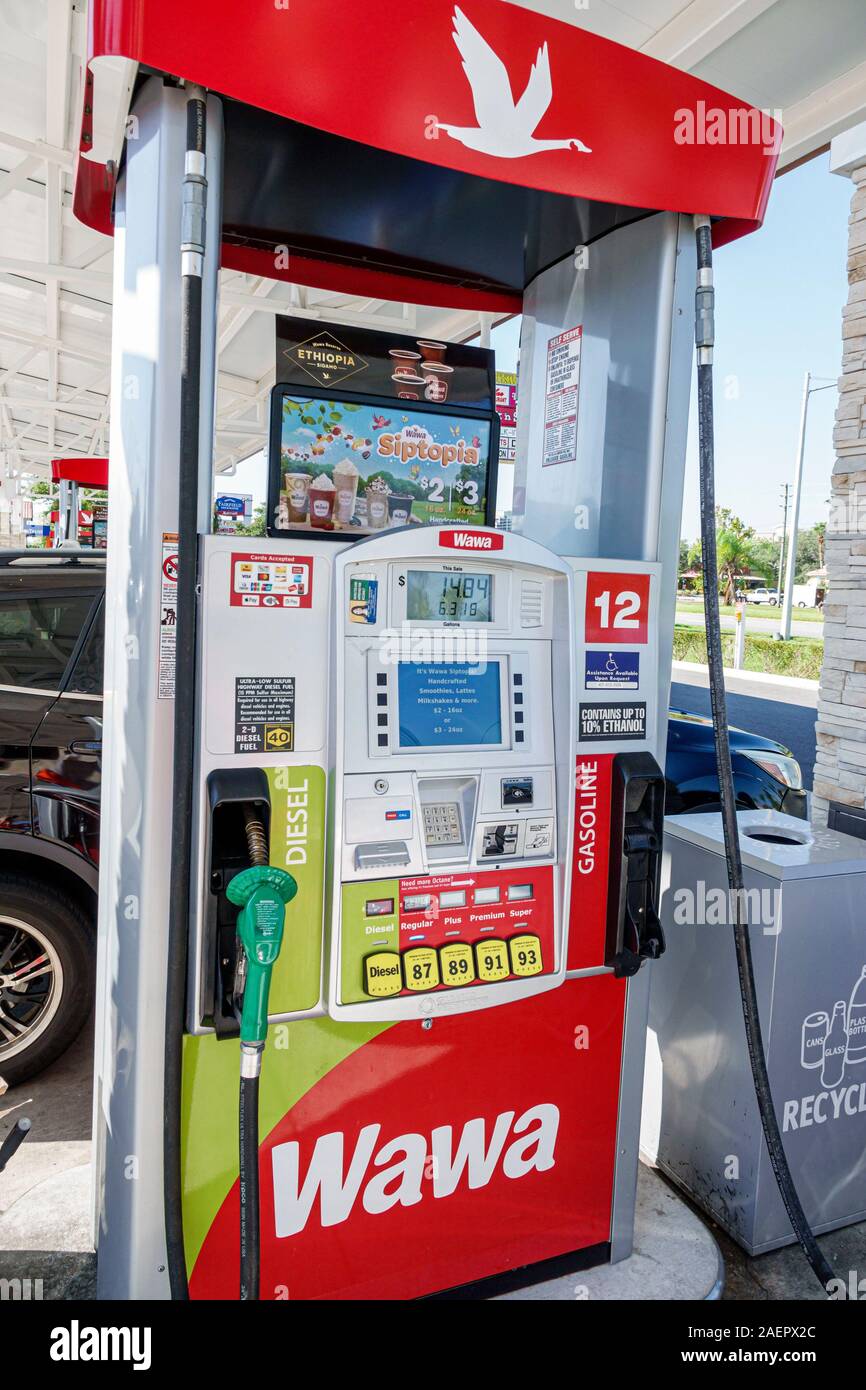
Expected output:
(87, 472)
(378, 143)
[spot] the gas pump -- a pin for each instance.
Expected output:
(449, 737)
(70, 475)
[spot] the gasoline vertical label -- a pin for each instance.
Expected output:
(167, 617)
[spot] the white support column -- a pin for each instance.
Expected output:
(612, 487)
(137, 772)
(840, 769)
(62, 512)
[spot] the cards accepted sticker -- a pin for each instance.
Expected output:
(265, 580)
(612, 670)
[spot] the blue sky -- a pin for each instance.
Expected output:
(779, 297)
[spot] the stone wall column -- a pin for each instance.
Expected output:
(840, 770)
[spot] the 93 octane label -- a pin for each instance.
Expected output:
(264, 714)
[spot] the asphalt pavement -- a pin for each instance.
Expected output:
(793, 725)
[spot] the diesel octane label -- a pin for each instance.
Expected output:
(264, 714)
(601, 722)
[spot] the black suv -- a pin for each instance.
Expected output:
(51, 656)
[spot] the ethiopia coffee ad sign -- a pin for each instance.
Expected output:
(355, 469)
(363, 360)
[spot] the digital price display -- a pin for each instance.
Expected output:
(433, 595)
(449, 704)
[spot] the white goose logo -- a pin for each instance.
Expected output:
(505, 127)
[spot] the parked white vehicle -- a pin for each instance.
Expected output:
(810, 594)
(770, 596)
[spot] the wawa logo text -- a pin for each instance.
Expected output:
(470, 540)
(405, 1167)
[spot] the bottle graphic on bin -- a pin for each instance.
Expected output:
(835, 1045)
(857, 1021)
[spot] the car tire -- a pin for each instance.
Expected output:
(44, 928)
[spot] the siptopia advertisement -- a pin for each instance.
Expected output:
(348, 468)
(319, 356)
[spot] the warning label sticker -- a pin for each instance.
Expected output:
(167, 617)
(264, 714)
(266, 580)
(612, 670)
(616, 721)
(560, 409)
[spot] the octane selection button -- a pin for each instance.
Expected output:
(421, 968)
(525, 952)
(458, 967)
(491, 957)
(382, 974)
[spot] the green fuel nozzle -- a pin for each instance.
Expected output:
(262, 893)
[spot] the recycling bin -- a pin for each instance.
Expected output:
(805, 901)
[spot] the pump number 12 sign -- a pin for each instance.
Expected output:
(617, 607)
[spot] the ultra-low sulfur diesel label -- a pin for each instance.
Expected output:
(264, 714)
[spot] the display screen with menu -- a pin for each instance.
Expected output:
(439, 596)
(347, 468)
(449, 704)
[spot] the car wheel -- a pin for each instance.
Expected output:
(46, 976)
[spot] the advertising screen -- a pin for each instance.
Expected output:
(449, 704)
(349, 469)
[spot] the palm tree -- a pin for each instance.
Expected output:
(734, 560)
(820, 536)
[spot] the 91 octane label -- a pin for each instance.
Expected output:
(492, 958)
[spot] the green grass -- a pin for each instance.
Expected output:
(801, 656)
(753, 610)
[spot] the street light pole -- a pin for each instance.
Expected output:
(791, 567)
(786, 488)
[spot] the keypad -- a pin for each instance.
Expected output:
(442, 824)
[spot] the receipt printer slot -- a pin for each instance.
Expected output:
(498, 841)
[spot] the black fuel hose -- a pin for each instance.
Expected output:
(248, 1173)
(192, 250)
(704, 336)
